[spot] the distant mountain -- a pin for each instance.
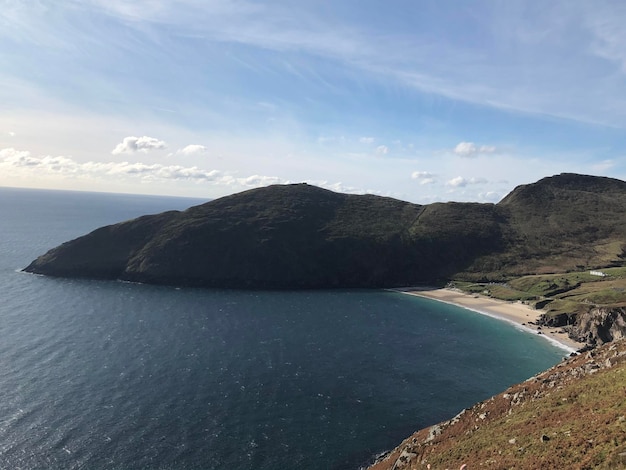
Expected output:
(301, 236)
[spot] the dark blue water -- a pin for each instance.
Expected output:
(125, 376)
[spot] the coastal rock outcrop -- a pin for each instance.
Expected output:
(600, 325)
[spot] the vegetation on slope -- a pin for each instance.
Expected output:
(571, 416)
(294, 236)
(564, 223)
(301, 236)
(567, 299)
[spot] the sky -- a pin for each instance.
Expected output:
(418, 100)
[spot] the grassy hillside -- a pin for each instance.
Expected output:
(571, 416)
(559, 294)
(564, 223)
(301, 236)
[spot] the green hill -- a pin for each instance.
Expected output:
(301, 236)
(294, 236)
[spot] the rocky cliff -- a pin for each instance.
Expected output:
(599, 325)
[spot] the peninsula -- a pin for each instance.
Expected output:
(302, 236)
(540, 245)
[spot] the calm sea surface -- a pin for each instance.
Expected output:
(111, 375)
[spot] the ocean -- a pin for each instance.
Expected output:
(113, 375)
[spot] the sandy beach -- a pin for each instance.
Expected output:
(514, 312)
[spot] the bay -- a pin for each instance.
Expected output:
(115, 375)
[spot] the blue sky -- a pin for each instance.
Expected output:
(419, 100)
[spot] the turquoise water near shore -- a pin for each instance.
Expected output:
(125, 376)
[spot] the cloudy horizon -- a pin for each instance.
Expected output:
(426, 101)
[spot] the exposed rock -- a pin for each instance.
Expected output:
(404, 460)
(600, 325)
(554, 321)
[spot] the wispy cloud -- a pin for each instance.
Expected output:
(530, 57)
(382, 150)
(604, 21)
(21, 163)
(11, 158)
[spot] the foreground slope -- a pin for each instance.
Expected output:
(570, 416)
(301, 236)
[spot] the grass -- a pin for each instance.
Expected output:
(564, 293)
(574, 423)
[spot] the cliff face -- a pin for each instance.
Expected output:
(600, 325)
(570, 416)
(300, 236)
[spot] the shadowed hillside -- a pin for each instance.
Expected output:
(294, 236)
(301, 236)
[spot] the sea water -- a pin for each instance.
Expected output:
(112, 375)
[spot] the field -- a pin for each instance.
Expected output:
(565, 293)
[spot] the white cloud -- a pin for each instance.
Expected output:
(20, 160)
(192, 149)
(460, 182)
(22, 163)
(12, 134)
(367, 140)
(340, 187)
(489, 196)
(424, 177)
(470, 149)
(16, 157)
(382, 150)
(457, 182)
(134, 144)
(257, 181)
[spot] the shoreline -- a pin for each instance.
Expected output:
(517, 313)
